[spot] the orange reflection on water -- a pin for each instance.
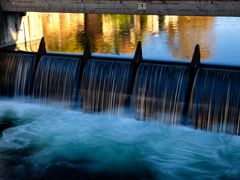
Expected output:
(184, 32)
(119, 34)
(61, 31)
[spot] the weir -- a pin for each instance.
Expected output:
(215, 100)
(159, 92)
(84, 115)
(56, 79)
(193, 94)
(16, 73)
(105, 85)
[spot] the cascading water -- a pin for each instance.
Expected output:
(16, 72)
(159, 92)
(215, 101)
(56, 79)
(105, 85)
(45, 142)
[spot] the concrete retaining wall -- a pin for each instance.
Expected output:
(160, 7)
(18, 28)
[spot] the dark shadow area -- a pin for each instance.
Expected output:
(10, 118)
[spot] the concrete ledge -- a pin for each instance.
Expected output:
(159, 7)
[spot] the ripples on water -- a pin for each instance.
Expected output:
(50, 142)
(163, 37)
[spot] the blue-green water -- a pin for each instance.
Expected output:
(51, 142)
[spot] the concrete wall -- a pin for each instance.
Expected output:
(19, 28)
(9, 26)
(160, 7)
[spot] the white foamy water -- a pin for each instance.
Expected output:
(49, 142)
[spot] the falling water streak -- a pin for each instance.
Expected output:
(23, 69)
(105, 86)
(177, 96)
(56, 79)
(16, 73)
(159, 92)
(215, 101)
(226, 109)
(238, 125)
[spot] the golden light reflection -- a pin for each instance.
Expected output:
(170, 22)
(119, 34)
(184, 32)
(30, 32)
(61, 31)
(153, 24)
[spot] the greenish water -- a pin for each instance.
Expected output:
(51, 142)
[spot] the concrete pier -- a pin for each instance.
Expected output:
(159, 7)
(19, 28)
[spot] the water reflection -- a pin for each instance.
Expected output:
(166, 37)
(184, 32)
(114, 34)
(63, 32)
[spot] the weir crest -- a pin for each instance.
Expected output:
(200, 96)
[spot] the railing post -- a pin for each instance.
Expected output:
(195, 64)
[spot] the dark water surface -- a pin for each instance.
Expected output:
(51, 142)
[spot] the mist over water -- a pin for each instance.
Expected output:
(51, 142)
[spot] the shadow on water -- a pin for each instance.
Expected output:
(64, 170)
(16, 165)
(69, 170)
(6, 121)
(10, 119)
(14, 162)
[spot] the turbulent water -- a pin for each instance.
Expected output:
(50, 142)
